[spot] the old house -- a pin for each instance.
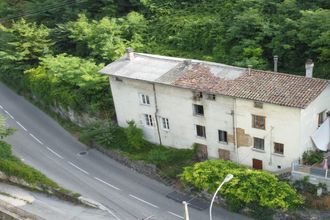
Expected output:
(261, 119)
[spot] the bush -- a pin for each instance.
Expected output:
(311, 157)
(134, 136)
(248, 188)
(162, 156)
(5, 150)
(304, 186)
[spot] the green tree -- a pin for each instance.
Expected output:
(71, 82)
(255, 189)
(107, 38)
(22, 44)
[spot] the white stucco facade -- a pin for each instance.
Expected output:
(289, 126)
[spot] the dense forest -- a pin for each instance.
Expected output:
(54, 48)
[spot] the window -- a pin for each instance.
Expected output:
(258, 104)
(144, 99)
(321, 118)
(118, 79)
(148, 120)
(198, 110)
(197, 96)
(200, 131)
(258, 121)
(222, 136)
(211, 96)
(278, 148)
(258, 143)
(165, 124)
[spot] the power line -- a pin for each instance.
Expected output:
(45, 9)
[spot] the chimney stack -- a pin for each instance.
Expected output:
(309, 68)
(249, 68)
(275, 63)
(130, 53)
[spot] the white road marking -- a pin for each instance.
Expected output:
(102, 207)
(54, 153)
(21, 126)
(72, 164)
(9, 114)
(107, 183)
(1, 107)
(141, 200)
(176, 215)
(34, 137)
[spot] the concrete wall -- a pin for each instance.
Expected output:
(309, 118)
(282, 126)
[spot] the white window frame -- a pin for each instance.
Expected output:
(148, 120)
(254, 144)
(203, 129)
(144, 99)
(225, 135)
(165, 123)
(195, 109)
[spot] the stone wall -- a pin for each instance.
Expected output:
(149, 170)
(76, 118)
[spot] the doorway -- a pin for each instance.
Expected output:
(257, 164)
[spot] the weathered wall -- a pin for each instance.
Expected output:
(176, 104)
(309, 118)
(282, 126)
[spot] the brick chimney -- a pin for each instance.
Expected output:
(309, 68)
(130, 53)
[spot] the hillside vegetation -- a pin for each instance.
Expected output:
(53, 49)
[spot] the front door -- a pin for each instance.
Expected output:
(257, 164)
(202, 152)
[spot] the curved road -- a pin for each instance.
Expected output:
(45, 145)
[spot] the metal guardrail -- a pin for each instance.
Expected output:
(315, 171)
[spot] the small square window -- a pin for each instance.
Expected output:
(258, 104)
(144, 99)
(200, 131)
(278, 148)
(198, 110)
(258, 143)
(148, 120)
(211, 96)
(258, 121)
(118, 79)
(165, 124)
(222, 136)
(198, 96)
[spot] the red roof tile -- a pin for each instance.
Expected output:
(276, 88)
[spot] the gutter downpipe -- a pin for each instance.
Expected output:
(235, 130)
(156, 113)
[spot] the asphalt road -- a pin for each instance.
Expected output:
(40, 142)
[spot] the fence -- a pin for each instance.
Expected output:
(316, 174)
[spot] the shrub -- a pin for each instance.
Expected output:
(134, 136)
(14, 167)
(304, 186)
(251, 188)
(311, 157)
(5, 150)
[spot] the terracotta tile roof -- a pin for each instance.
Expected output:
(276, 88)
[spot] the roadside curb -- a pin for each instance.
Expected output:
(90, 203)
